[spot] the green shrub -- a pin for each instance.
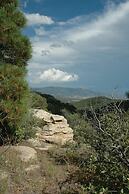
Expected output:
(29, 128)
(37, 101)
(15, 51)
(104, 167)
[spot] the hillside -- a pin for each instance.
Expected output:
(44, 164)
(101, 102)
(67, 94)
(94, 102)
(56, 106)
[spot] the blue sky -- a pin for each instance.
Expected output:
(79, 43)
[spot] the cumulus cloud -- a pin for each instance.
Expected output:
(94, 47)
(57, 75)
(37, 19)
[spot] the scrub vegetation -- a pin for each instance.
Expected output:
(97, 162)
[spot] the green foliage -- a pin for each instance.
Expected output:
(38, 101)
(56, 106)
(15, 51)
(104, 167)
(6, 2)
(80, 171)
(69, 154)
(31, 125)
(83, 130)
(95, 102)
(14, 48)
(13, 97)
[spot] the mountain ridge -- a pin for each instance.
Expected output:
(67, 92)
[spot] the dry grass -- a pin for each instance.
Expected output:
(19, 180)
(53, 174)
(42, 180)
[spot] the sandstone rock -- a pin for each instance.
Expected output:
(58, 118)
(59, 139)
(39, 144)
(32, 168)
(3, 175)
(56, 130)
(26, 153)
(34, 142)
(43, 115)
(45, 148)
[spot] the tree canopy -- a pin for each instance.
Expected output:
(15, 51)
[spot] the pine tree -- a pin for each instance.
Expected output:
(15, 51)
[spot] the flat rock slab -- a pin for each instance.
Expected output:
(57, 118)
(43, 115)
(35, 142)
(26, 153)
(57, 139)
(3, 175)
(32, 168)
(56, 128)
(48, 117)
(46, 147)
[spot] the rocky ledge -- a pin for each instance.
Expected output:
(56, 129)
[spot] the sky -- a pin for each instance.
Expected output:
(78, 43)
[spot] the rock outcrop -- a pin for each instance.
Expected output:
(56, 129)
(3, 175)
(26, 154)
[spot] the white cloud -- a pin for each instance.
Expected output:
(102, 24)
(99, 32)
(57, 75)
(37, 19)
(40, 31)
(94, 47)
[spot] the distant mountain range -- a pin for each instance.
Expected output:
(67, 94)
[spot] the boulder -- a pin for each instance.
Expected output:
(35, 142)
(26, 154)
(57, 119)
(32, 168)
(59, 139)
(52, 129)
(3, 175)
(42, 114)
(56, 129)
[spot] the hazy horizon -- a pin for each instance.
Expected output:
(114, 93)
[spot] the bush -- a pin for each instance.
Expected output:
(29, 128)
(83, 130)
(104, 167)
(15, 51)
(37, 101)
(14, 105)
